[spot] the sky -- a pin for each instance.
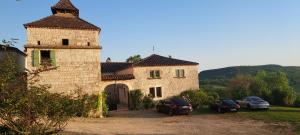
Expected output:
(214, 33)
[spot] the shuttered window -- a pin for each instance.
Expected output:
(52, 57)
(158, 92)
(35, 58)
(152, 91)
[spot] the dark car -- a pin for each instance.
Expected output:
(225, 105)
(174, 106)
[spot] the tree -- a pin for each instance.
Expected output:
(134, 59)
(25, 106)
(239, 86)
(273, 87)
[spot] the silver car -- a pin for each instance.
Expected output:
(253, 102)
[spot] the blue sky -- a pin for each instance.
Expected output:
(215, 33)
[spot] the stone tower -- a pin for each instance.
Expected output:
(66, 41)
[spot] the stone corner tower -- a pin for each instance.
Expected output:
(66, 41)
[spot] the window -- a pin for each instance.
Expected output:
(39, 42)
(65, 41)
(157, 74)
(152, 91)
(154, 74)
(45, 58)
(88, 43)
(180, 73)
(156, 92)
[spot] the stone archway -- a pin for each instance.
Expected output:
(117, 96)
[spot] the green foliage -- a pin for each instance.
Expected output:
(297, 101)
(199, 98)
(148, 102)
(238, 87)
(28, 109)
(134, 59)
(220, 77)
(273, 87)
(104, 104)
(136, 98)
(84, 105)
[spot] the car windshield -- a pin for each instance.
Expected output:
(229, 102)
(180, 101)
(255, 98)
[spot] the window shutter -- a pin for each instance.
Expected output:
(177, 73)
(52, 57)
(182, 73)
(35, 58)
(151, 74)
(157, 74)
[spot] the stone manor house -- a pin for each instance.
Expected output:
(66, 41)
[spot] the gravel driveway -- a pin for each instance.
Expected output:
(152, 123)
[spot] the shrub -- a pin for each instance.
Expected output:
(28, 109)
(136, 97)
(148, 102)
(84, 105)
(297, 101)
(197, 98)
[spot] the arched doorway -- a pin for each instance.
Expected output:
(117, 96)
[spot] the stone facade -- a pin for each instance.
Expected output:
(170, 84)
(78, 63)
(53, 37)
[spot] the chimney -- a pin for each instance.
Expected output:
(108, 60)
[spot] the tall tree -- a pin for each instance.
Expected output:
(134, 59)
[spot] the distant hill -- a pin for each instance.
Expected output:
(220, 77)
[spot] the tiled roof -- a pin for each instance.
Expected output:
(117, 77)
(64, 5)
(157, 60)
(8, 48)
(56, 21)
(112, 67)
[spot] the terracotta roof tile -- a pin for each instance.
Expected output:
(117, 77)
(56, 21)
(157, 60)
(112, 67)
(64, 4)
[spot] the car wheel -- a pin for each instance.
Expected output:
(158, 110)
(171, 112)
(249, 106)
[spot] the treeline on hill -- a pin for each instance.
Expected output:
(219, 78)
(271, 86)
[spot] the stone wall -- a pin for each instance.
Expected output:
(77, 68)
(171, 86)
(54, 37)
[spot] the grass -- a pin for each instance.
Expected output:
(274, 114)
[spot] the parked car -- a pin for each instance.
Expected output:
(225, 105)
(174, 106)
(253, 102)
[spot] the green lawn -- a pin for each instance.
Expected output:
(275, 114)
